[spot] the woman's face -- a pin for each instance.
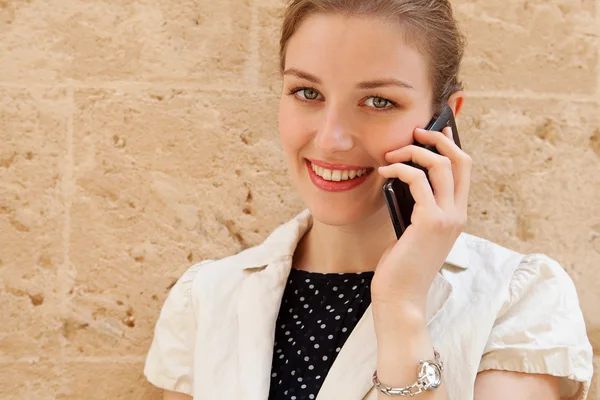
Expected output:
(353, 90)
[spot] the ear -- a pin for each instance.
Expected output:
(456, 101)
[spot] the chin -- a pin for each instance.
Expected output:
(332, 215)
(342, 210)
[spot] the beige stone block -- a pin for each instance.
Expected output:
(31, 325)
(24, 380)
(106, 380)
(164, 179)
(121, 40)
(548, 46)
(33, 152)
(269, 26)
(536, 184)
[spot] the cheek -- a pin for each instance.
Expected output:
(392, 136)
(292, 133)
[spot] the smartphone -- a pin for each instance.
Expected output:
(397, 194)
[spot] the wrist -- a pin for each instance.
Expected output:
(400, 348)
(399, 314)
(402, 342)
(395, 292)
(400, 330)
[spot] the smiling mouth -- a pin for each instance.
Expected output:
(338, 175)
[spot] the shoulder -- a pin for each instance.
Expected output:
(252, 257)
(503, 270)
(280, 244)
(486, 256)
(207, 279)
(540, 283)
(479, 261)
(538, 325)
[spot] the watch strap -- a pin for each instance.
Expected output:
(429, 377)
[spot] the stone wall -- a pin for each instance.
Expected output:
(137, 138)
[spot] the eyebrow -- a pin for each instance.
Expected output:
(362, 85)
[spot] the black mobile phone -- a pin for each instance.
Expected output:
(397, 194)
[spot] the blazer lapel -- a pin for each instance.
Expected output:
(350, 375)
(258, 307)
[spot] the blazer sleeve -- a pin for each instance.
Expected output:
(170, 360)
(541, 328)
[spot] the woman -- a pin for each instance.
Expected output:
(331, 305)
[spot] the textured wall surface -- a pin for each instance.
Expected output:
(139, 137)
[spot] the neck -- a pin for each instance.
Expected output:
(338, 249)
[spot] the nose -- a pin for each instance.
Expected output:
(334, 135)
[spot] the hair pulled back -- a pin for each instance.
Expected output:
(428, 25)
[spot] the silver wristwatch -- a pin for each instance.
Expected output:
(429, 376)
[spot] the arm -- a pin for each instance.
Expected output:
(500, 385)
(398, 357)
(408, 267)
(168, 395)
(401, 342)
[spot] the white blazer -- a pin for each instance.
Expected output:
(488, 308)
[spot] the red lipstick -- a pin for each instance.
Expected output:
(333, 186)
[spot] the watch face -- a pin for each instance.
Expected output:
(430, 374)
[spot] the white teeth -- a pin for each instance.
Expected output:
(337, 175)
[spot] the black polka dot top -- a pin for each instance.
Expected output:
(318, 312)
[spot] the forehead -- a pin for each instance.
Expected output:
(342, 48)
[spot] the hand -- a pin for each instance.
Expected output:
(407, 268)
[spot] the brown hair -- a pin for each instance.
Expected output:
(429, 26)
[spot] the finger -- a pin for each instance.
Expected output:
(461, 162)
(438, 167)
(414, 178)
(447, 131)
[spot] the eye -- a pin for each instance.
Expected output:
(306, 93)
(379, 102)
(309, 95)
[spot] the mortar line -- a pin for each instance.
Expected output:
(133, 85)
(31, 360)
(507, 94)
(64, 271)
(75, 360)
(106, 359)
(598, 50)
(252, 63)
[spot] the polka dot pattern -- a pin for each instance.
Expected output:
(317, 314)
